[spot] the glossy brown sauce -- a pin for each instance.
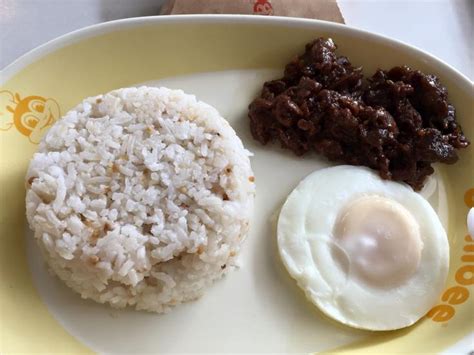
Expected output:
(398, 122)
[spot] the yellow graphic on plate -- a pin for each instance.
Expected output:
(32, 116)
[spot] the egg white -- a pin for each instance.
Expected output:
(306, 246)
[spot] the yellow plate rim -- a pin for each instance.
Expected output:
(112, 26)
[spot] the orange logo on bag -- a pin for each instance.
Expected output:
(263, 7)
(464, 277)
(31, 116)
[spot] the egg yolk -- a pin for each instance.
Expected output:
(381, 240)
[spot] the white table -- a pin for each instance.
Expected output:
(441, 27)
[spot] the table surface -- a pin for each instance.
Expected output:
(441, 27)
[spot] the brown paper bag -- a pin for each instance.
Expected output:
(317, 9)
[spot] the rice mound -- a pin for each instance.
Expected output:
(140, 197)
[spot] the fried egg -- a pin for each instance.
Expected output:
(369, 253)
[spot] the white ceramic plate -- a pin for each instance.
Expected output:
(223, 60)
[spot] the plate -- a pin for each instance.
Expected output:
(223, 60)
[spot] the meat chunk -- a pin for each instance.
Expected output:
(399, 122)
